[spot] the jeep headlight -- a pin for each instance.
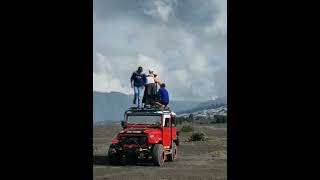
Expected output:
(151, 135)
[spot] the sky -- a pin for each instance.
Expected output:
(184, 41)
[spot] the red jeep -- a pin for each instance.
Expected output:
(148, 134)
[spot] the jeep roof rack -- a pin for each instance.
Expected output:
(152, 109)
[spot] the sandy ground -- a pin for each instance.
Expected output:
(196, 160)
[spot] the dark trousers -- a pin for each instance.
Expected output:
(150, 93)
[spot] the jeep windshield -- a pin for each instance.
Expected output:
(144, 119)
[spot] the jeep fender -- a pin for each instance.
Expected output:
(114, 140)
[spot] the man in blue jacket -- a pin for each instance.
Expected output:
(137, 81)
(163, 96)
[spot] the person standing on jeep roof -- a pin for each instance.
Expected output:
(137, 81)
(150, 89)
(157, 81)
(163, 95)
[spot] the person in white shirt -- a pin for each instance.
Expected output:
(157, 81)
(150, 88)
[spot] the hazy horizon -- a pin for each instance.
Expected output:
(196, 100)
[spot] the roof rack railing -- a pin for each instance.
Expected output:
(148, 109)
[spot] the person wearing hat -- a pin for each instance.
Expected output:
(151, 88)
(158, 83)
(137, 81)
(156, 80)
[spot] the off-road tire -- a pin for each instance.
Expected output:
(158, 155)
(174, 155)
(112, 157)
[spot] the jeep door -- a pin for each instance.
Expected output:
(166, 139)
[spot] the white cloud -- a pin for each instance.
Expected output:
(159, 9)
(219, 24)
(198, 63)
(106, 77)
(192, 64)
(150, 63)
(106, 83)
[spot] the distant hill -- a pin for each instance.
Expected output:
(211, 104)
(111, 106)
(213, 111)
(221, 110)
(206, 116)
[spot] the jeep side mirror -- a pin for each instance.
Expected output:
(123, 124)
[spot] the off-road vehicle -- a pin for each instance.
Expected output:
(148, 134)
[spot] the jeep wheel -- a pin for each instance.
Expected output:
(158, 155)
(174, 155)
(112, 155)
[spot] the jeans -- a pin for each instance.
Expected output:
(138, 94)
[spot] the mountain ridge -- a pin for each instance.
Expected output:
(110, 106)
